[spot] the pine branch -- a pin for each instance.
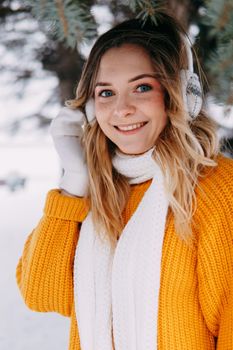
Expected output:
(219, 18)
(146, 8)
(71, 22)
(62, 16)
(68, 21)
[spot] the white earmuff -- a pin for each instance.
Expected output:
(191, 86)
(90, 110)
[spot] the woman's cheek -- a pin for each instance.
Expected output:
(101, 116)
(102, 109)
(158, 97)
(97, 110)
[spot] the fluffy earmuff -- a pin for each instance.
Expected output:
(90, 110)
(191, 86)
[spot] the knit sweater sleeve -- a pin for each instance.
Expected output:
(215, 253)
(45, 271)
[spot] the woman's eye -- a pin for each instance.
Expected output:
(144, 88)
(105, 93)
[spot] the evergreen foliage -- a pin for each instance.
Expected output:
(219, 18)
(71, 21)
(144, 9)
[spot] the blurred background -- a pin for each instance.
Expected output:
(43, 45)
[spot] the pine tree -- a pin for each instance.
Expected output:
(72, 22)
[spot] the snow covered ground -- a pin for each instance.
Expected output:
(30, 154)
(20, 328)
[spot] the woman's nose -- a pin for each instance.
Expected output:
(124, 107)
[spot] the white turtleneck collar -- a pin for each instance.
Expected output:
(138, 168)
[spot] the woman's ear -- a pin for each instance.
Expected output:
(90, 110)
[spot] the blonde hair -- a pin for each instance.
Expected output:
(184, 148)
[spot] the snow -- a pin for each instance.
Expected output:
(103, 16)
(28, 153)
(22, 97)
(221, 114)
(20, 328)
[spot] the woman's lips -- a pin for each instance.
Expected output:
(130, 129)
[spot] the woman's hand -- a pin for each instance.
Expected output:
(66, 130)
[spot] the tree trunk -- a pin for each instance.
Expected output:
(67, 64)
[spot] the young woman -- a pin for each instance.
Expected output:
(136, 245)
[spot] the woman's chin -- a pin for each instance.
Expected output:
(134, 151)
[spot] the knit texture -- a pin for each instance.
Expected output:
(196, 287)
(137, 168)
(119, 286)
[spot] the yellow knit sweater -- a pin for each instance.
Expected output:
(196, 290)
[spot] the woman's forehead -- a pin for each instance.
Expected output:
(124, 59)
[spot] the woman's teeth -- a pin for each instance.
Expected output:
(130, 127)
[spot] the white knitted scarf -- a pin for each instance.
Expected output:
(116, 289)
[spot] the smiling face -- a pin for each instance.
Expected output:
(129, 100)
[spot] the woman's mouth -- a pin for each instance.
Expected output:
(132, 128)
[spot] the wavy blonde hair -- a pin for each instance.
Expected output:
(185, 147)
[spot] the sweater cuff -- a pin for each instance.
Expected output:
(63, 207)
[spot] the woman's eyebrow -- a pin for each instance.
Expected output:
(140, 76)
(137, 77)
